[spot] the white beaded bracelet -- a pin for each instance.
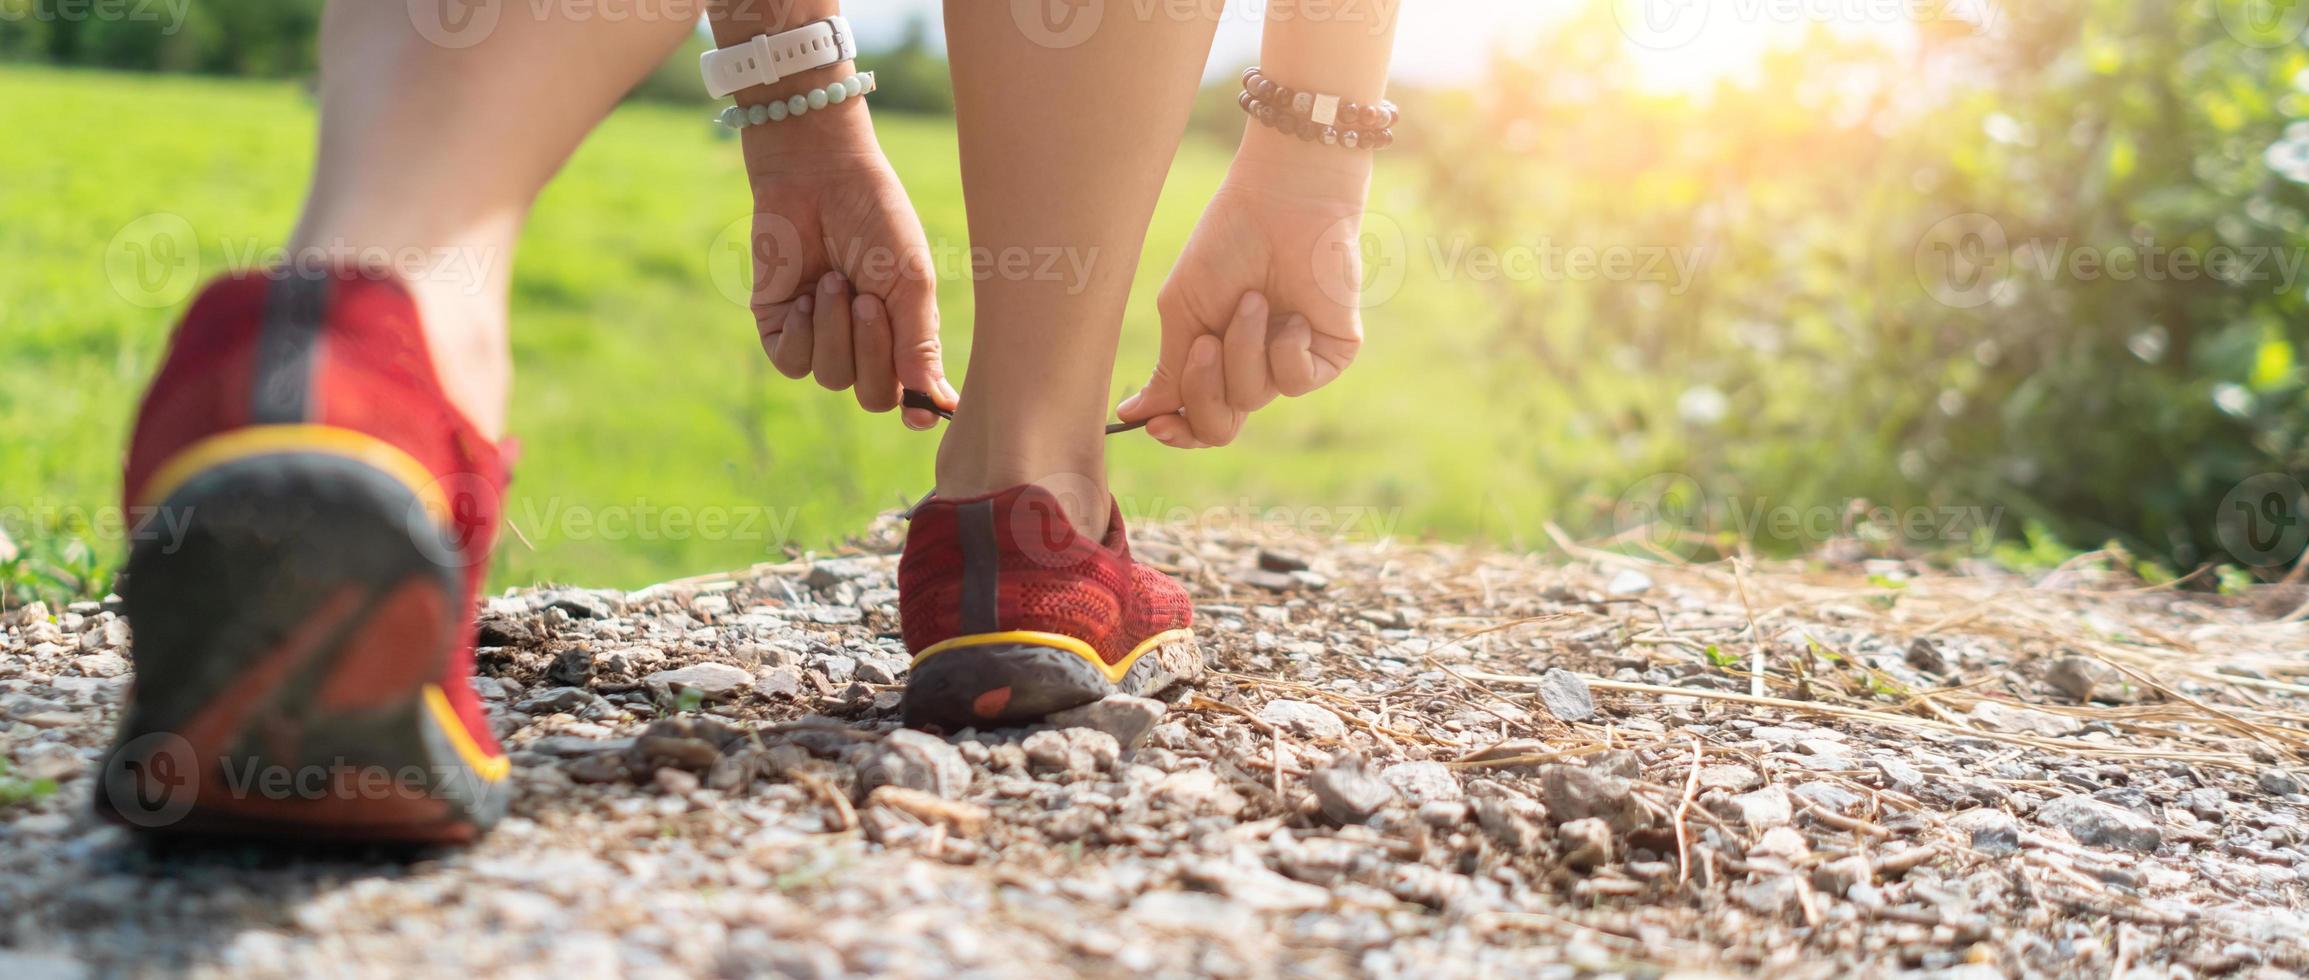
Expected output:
(855, 86)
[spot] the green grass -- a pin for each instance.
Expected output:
(639, 385)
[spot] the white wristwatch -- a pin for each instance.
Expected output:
(769, 57)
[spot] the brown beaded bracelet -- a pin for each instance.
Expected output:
(1317, 118)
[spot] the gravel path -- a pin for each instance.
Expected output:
(1404, 761)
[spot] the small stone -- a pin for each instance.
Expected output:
(1423, 782)
(1281, 561)
(2275, 782)
(1126, 718)
(779, 682)
(1992, 832)
(1924, 655)
(563, 700)
(2086, 680)
(915, 760)
(102, 665)
(1348, 792)
(1565, 695)
(1443, 814)
(1838, 877)
(1198, 791)
(1303, 719)
(2209, 804)
(1076, 751)
(837, 615)
(1764, 809)
(1587, 843)
(833, 571)
(1629, 582)
(872, 671)
(1731, 779)
(1577, 793)
(2098, 824)
(1771, 896)
(1270, 581)
(712, 680)
(572, 667)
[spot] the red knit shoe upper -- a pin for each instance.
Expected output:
(1012, 561)
(341, 349)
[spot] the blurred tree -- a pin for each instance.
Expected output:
(2050, 265)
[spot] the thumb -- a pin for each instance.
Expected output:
(1162, 395)
(919, 354)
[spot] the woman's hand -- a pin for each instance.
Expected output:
(844, 287)
(1264, 301)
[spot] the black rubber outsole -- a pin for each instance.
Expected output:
(999, 685)
(245, 597)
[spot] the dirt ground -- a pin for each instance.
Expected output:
(1402, 761)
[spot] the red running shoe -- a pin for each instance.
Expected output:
(1013, 614)
(313, 522)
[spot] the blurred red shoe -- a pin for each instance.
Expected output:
(312, 520)
(1013, 614)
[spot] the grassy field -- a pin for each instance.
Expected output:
(643, 402)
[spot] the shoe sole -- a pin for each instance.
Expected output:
(290, 631)
(1018, 677)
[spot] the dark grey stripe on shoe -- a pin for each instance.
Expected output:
(981, 567)
(289, 349)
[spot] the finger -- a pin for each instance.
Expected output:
(918, 355)
(830, 357)
(1249, 386)
(789, 346)
(1304, 358)
(1173, 431)
(1205, 388)
(877, 387)
(1160, 395)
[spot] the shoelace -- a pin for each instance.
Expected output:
(916, 399)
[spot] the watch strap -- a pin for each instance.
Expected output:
(766, 58)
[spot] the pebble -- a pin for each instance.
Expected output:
(1348, 792)
(915, 760)
(1586, 843)
(102, 665)
(1629, 582)
(1079, 751)
(779, 682)
(2278, 782)
(714, 680)
(1423, 782)
(1992, 832)
(2099, 824)
(1303, 719)
(830, 572)
(1565, 695)
(1732, 779)
(1578, 793)
(2086, 680)
(1764, 809)
(1124, 718)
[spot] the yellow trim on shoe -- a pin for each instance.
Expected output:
(489, 767)
(262, 440)
(1058, 641)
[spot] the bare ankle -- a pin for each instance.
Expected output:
(972, 465)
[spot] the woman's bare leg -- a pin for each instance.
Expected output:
(434, 150)
(1063, 147)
